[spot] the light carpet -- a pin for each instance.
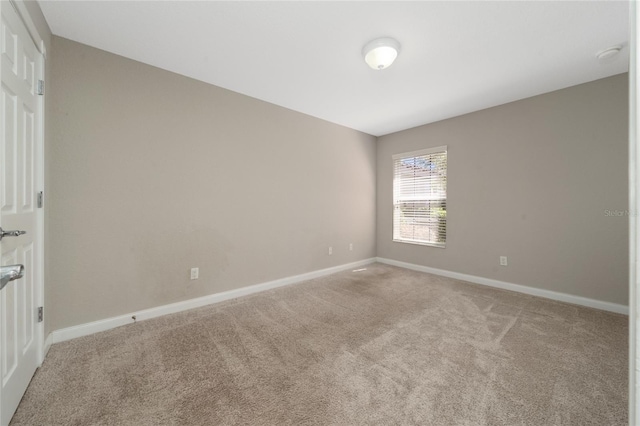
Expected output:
(385, 346)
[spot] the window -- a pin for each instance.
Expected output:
(420, 197)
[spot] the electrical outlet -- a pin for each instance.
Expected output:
(350, 246)
(194, 273)
(503, 260)
(330, 251)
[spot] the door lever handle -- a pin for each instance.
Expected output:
(10, 233)
(10, 273)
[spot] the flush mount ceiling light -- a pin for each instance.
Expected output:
(609, 53)
(381, 52)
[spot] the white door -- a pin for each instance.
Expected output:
(20, 341)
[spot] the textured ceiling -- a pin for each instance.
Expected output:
(456, 57)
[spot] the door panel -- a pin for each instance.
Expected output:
(19, 337)
(9, 151)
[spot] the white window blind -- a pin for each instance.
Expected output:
(420, 197)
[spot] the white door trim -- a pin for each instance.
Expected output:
(40, 210)
(24, 15)
(634, 210)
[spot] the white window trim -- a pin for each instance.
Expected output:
(419, 152)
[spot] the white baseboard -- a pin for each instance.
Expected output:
(547, 294)
(113, 322)
(47, 345)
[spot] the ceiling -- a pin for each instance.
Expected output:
(456, 57)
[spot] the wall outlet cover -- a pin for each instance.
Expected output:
(195, 272)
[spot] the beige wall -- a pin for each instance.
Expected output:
(153, 173)
(530, 180)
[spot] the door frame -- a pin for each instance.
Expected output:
(634, 219)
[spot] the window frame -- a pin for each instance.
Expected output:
(413, 154)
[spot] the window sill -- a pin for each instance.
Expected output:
(418, 243)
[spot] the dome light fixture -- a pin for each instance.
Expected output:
(381, 52)
(608, 54)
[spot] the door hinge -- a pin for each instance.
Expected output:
(40, 313)
(40, 199)
(40, 87)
